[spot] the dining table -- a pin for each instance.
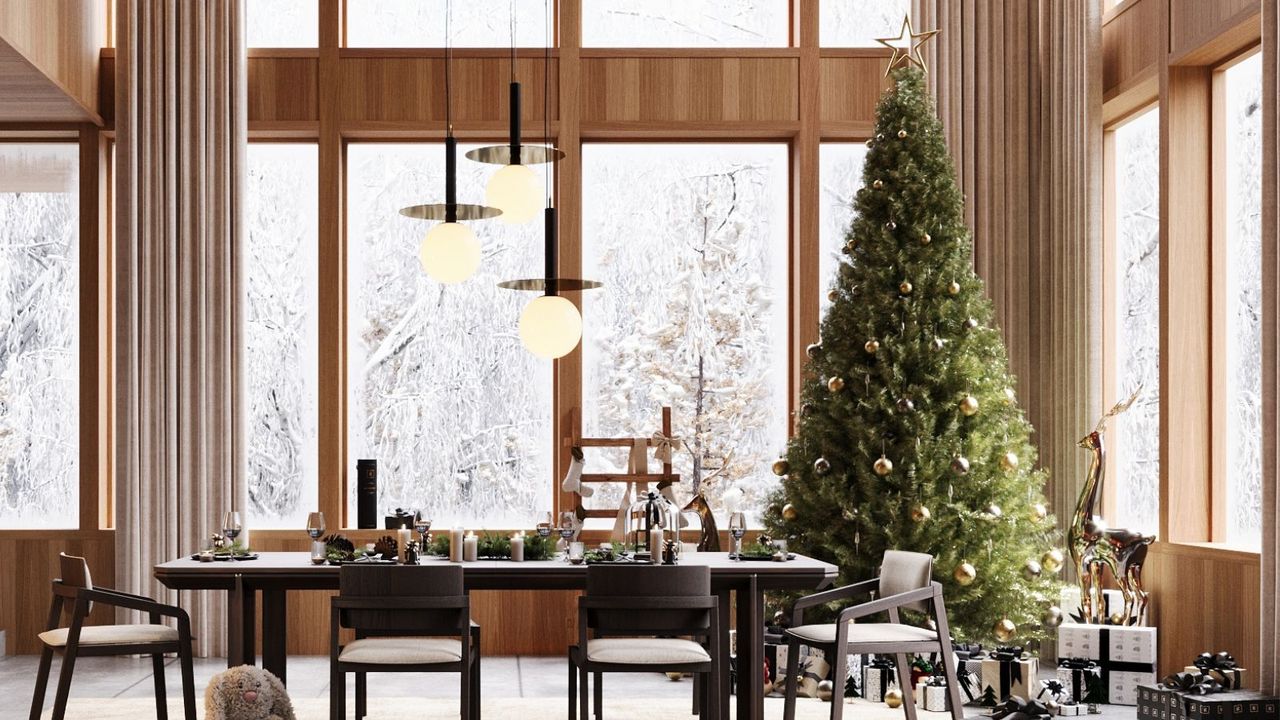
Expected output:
(739, 585)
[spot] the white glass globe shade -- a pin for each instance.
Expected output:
(550, 326)
(450, 253)
(516, 191)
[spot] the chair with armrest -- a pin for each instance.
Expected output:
(74, 595)
(637, 618)
(406, 618)
(905, 582)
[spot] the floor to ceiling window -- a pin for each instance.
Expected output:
(685, 23)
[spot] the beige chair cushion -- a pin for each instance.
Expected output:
(865, 633)
(112, 635)
(403, 651)
(646, 651)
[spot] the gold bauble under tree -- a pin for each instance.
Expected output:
(965, 573)
(1051, 617)
(905, 287)
(1004, 630)
(883, 466)
(871, 346)
(960, 465)
(877, 184)
(821, 466)
(1039, 512)
(789, 512)
(780, 617)
(835, 384)
(925, 239)
(1031, 570)
(1052, 560)
(953, 288)
(781, 467)
(969, 406)
(833, 295)
(674, 676)
(920, 513)
(893, 697)
(902, 134)
(826, 690)
(1009, 461)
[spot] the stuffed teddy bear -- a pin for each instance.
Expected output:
(247, 693)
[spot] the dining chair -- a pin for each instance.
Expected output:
(74, 595)
(406, 618)
(638, 618)
(905, 583)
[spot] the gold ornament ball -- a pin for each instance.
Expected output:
(891, 225)
(835, 384)
(1117, 619)
(674, 676)
(893, 698)
(925, 239)
(905, 287)
(920, 514)
(1051, 617)
(848, 250)
(780, 617)
(883, 466)
(821, 466)
(960, 465)
(953, 288)
(1052, 560)
(969, 406)
(993, 512)
(965, 573)
(826, 690)
(902, 134)
(1039, 512)
(833, 295)
(813, 350)
(877, 184)
(781, 467)
(1031, 570)
(1004, 630)
(789, 512)
(1009, 461)
(871, 346)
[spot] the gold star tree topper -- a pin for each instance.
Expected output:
(906, 46)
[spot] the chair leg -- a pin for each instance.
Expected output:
(573, 688)
(582, 694)
(362, 688)
(597, 691)
(904, 684)
(702, 694)
(697, 694)
(475, 678)
(157, 676)
(188, 679)
(64, 683)
(42, 682)
(793, 668)
(464, 694)
(337, 694)
(838, 672)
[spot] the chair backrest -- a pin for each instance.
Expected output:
(641, 582)
(902, 571)
(404, 581)
(74, 571)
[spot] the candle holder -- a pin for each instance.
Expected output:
(647, 523)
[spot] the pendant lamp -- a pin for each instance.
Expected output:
(450, 252)
(550, 326)
(514, 188)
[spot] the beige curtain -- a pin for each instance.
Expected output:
(1269, 674)
(1018, 86)
(180, 148)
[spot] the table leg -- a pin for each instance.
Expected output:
(241, 611)
(274, 632)
(720, 683)
(750, 651)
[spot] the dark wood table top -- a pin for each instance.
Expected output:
(294, 571)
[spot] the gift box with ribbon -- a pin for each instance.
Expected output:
(931, 694)
(1007, 672)
(1125, 656)
(813, 670)
(1228, 705)
(877, 677)
(1069, 709)
(1020, 708)
(1221, 666)
(969, 683)
(1080, 680)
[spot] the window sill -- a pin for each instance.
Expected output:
(1214, 550)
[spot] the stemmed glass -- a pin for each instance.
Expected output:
(422, 523)
(315, 530)
(231, 526)
(567, 522)
(544, 527)
(737, 529)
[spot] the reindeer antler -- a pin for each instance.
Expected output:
(1118, 408)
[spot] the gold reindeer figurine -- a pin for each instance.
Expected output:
(1095, 546)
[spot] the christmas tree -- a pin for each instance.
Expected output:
(909, 435)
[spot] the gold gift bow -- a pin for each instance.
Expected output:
(664, 447)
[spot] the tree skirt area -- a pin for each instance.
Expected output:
(495, 709)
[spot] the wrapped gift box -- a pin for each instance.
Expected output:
(1229, 705)
(878, 675)
(1153, 702)
(1081, 680)
(931, 694)
(1069, 709)
(1007, 673)
(1126, 656)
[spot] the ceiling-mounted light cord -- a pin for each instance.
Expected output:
(546, 94)
(448, 68)
(513, 40)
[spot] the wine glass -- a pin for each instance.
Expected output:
(422, 523)
(315, 525)
(231, 526)
(568, 521)
(544, 527)
(737, 529)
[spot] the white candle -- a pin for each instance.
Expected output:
(469, 548)
(517, 547)
(655, 545)
(455, 545)
(402, 544)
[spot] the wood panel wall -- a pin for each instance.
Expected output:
(51, 59)
(30, 562)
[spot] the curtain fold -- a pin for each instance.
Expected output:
(1019, 90)
(181, 134)
(1269, 673)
